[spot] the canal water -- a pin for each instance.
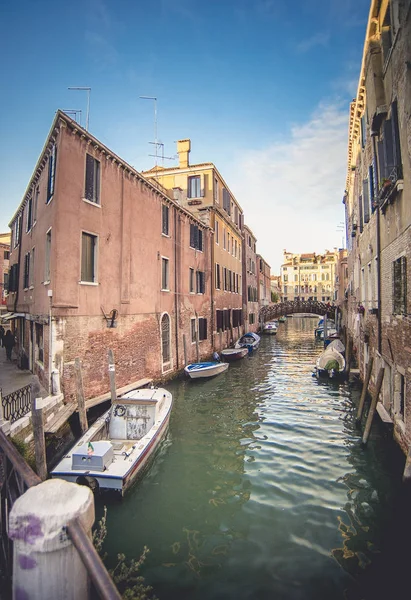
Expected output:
(263, 491)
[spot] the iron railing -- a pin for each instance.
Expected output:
(16, 477)
(17, 404)
(289, 307)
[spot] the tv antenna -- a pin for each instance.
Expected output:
(88, 90)
(156, 143)
(74, 112)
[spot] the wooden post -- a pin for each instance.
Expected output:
(221, 340)
(112, 375)
(38, 429)
(238, 332)
(348, 356)
(364, 390)
(81, 403)
(373, 406)
(325, 330)
(45, 562)
(185, 348)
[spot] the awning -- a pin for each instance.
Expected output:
(9, 316)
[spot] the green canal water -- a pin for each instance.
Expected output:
(263, 491)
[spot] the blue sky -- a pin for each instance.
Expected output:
(262, 88)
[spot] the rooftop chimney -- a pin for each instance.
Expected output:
(183, 150)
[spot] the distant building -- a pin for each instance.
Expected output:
(377, 201)
(264, 281)
(4, 269)
(309, 276)
(276, 289)
(103, 258)
(201, 189)
(250, 279)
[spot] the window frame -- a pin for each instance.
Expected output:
(165, 274)
(165, 220)
(94, 280)
(51, 178)
(194, 179)
(95, 200)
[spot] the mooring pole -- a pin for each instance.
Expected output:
(112, 376)
(364, 390)
(81, 403)
(373, 406)
(38, 429)
(348, 356)
(406, 476)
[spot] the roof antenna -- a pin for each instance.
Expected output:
(88, 90)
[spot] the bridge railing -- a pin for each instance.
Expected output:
(273, 311)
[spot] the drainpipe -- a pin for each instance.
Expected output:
(378, 247)
(176, 300)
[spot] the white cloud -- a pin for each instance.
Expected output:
(319, 39)
(291, 192)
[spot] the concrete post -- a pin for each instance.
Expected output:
(38, 429)
(46, 565)
(4, 425)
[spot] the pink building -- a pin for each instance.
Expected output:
(110, 260)
(4, 269)
(264, 279)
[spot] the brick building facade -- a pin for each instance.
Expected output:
(102, 258)
(378, 210)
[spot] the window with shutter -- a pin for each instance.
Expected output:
(366, 200)
(400, 286)
(165, 339)
(88, 257)
(165, 220)
(194, 187)
(47, 261)
(219, 320)
(165, 274)
(92, 183)
(202, 328)
(191, 281)
(51, 174)
(193, 331)
(29, 212)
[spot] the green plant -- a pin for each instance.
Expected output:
(26, 452)
(125, 574)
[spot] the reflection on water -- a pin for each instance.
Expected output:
(262, 489)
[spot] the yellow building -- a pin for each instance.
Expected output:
(309, 276)
(4, 269)
(202, 190)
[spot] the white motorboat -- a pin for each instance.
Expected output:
(270, 327)
(117, 447)
(205, 369)
(330, 363)
(249, 340)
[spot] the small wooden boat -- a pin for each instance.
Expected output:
(231, 354)
(282, 319)
(250, 340)
(117, 447)
(330, 363)
(205, 369)
(270, 327)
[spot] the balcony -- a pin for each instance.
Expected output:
(390, 187)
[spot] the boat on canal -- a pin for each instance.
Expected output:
(331, 364)
(249, 340)
(205, 369)
(282, 319)
(270, 327)
(233, 354)
(115, 450)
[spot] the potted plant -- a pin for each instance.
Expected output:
(361, 309)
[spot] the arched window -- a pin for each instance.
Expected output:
(165, 339)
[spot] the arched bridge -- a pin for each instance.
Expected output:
(273, 311)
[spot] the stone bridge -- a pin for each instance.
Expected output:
(273, 311)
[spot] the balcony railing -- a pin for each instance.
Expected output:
(390, 188)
